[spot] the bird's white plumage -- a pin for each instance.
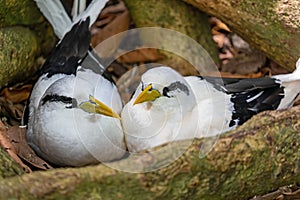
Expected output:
(166, 119)
(58, 129)
(72, 136)
(214, 108)
(291, 83)
(206, 111)
(37, 92)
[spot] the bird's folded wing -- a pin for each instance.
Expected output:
(237, 85)
(247, 96)
(69, 52)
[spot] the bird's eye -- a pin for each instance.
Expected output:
(150, 89)
(165, 92)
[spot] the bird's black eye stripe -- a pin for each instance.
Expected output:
(165, 91)
(143, 87)
(178, 86)
(71, 102)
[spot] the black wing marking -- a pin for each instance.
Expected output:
(233, 85)
(66, 55)
(249, 96)
(70, 51)
(247, 104)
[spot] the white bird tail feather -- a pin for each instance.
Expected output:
(78, 7)
(92, 11)
(291, 83)
(56, 14)
(294, 76)
(297, 70)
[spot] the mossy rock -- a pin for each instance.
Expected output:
(183, 18)
(19, 49)
(15, 12)
(8, 167)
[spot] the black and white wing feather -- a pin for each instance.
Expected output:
(250, 96)
(68, 54)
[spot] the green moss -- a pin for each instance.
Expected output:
(247, 162)
(8, 167)
(19, 48)
(231, 178)
(269, 27)
(264, 24)
(179, 16)
(108, 188)
(16, 12)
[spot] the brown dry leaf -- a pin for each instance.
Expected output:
(245, 63)
(117, 69)
(226, 56)
(112, 20)
(7, 145)
(16, 95)
(13, 112)
(226, 50)
(245, 60)
(219, 39)
(276, 69)
(292, 194)
(16, 135)
(141, 55)
(297, 101)
(218, 26)
(239, 44)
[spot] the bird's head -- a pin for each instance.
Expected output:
(157, 110)
(165, 85)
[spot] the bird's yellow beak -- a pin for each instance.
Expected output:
(96, 106)
(148, 94)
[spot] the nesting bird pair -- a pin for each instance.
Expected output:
(73, 117)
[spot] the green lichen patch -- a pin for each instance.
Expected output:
(8, 167)
(17, 57)
(15, 12)
(178, 16)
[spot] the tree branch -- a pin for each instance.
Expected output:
(271, 26)
(256, 158)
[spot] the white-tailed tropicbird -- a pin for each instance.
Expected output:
(58, 127)
(167, 106)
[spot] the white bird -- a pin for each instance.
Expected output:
(58, 127)
(167, 106)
